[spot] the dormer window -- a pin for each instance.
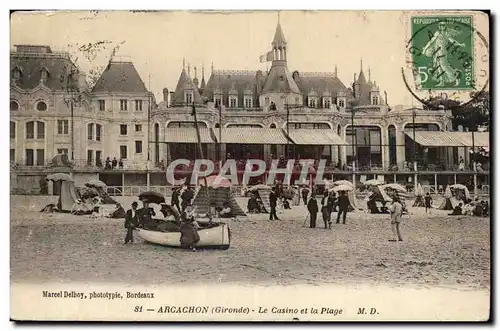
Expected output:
(326, 103)
(218, 102)
(248, 102)
(233, 102)
(341, 103)
(44, 74)
(297, 100)
(188, 97)
(375, 100)
(16, 73)
(312, 103)
(272, 106)
(266, 101)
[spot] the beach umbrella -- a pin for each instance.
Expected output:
(59, 176)
(95, 183)
(342, 182)
(258, 187)
(151, 196)
(215, 182)
(87, 192)
(395, 187)
(447, 192)
(373, 182)
(342, 188)
(459, 186)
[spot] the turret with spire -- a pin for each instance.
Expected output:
(195, 80)
(202, 85)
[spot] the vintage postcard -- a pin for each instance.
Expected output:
(250, 166)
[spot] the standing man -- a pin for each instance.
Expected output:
(396, 210)
(305, 194)
(174, 201)
(131, 221)
(312, 207)
(273, 200)
(343, 203)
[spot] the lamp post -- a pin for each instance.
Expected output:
(288, 107)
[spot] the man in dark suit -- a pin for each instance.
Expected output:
(145, 215)
(131, 221)
(273, 201)
(312, 207)
(343, 204)
(186, 197)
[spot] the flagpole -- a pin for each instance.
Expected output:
(198, 136)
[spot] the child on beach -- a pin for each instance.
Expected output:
(428, 202)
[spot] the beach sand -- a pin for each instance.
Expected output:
(438, 251)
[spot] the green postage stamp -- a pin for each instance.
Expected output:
(442, 49)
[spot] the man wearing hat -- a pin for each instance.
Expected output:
(131, 221)
(145, 214)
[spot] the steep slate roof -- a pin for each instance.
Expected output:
(279, 37)
(320, 83)
(120, 77)
(280, 80)
(239, 80)
(183, 84)
(57, 65)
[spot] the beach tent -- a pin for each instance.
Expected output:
(460, 192)
(67, 196)
(449, 202)
(262, 191)
(60, 160)
(218, 196)
(419, 196)
(101, 188)
(354, 201)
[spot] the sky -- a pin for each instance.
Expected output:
(157, 42)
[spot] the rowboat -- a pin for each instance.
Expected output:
(217, 236)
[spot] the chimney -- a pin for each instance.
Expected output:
(165, 96)
(171, 98)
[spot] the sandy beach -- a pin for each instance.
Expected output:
(438, 251)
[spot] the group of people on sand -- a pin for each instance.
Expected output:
(330, 203)
(472, 208)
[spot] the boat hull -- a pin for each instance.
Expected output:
(217, 237)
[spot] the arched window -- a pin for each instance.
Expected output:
(90, 131)
(98, 132)
(217, 125)
(40, 130)
(157, 142)
(41, 106)
(14, 105)
(273, 126)
(338, 129)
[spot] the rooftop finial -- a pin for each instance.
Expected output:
(212, 67)
(195, 72)
(335, 70)
(183, 63)
(202, 71)
(278, 16)
(189, 69)
(361, 64)
(369, 74)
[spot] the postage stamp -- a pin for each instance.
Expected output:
(443, 51)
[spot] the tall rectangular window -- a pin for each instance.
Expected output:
(123, 129)
(12, 130)
(248, 102)
(62, 126)
(233, 103)
(138, 147)
(30, 157)
(12, 155)
(40, 130)
(123, 152)
(138, 105)
(123, 104)
(98, 157)
(30, 130)
(90, 131)
(98, 132)
(102, 105)
(138, 128)
(218, 102)
(40, 157)
(90, 154)
(189, 97)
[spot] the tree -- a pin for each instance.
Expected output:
(470, 115)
